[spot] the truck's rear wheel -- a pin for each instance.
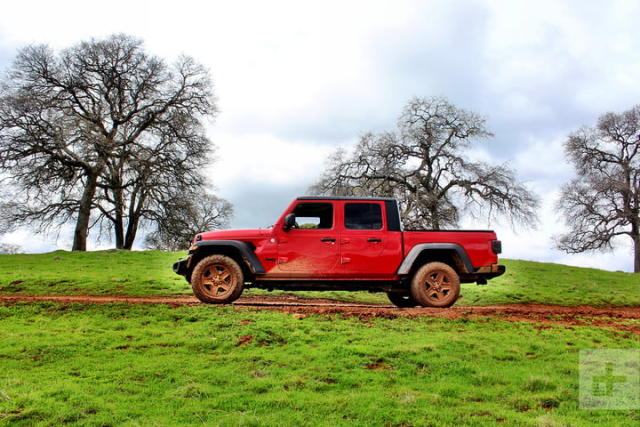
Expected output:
(401, 300)
(217, 279)
(435, 284)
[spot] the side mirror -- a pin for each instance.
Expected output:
(289, 222)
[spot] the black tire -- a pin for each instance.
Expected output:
(401, 300)
(435, 284)
(217, 279)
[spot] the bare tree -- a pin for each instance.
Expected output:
(10, 249)
(603, 202)
(139, 184)
(184, 217)
(423, 165)
(65, 119)
(52, 158)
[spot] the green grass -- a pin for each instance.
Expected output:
(112, 272)
(154, 365)
(149, 274)
(548, 283)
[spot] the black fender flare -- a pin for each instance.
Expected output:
(243, 248)
(412, 256)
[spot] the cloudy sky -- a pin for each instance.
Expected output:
(296, 79)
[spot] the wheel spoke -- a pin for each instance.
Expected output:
(439, 277)
(430, 283)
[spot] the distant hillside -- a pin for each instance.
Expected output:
(149, 273)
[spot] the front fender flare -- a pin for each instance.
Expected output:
(243, 248)
(410, 259)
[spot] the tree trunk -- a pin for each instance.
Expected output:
(118, 224)
(135, 211)
(132, 229)
(435, 221)
(118, 230)
(84, 213)
(635, 235)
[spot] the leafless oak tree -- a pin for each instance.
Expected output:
(603, 202)
(142, 179)
(184, 217)
(423, 165)
(10, 249)
(72, 125)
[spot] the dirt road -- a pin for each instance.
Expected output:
(621, 318)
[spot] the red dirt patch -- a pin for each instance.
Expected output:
(613, 317)
(244, 340)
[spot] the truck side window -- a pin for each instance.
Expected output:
(363, 216)
(314, 215)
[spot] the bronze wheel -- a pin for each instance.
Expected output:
(435, 284)
(401, 300)
(217, 279)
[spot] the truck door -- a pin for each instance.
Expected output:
(311, 248)
(367, 248)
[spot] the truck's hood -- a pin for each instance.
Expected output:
(235, 234)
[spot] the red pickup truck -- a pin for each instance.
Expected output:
(335, 243)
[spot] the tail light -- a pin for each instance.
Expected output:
(496, 246)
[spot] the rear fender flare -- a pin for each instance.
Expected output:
(417, 250)
(242, 248)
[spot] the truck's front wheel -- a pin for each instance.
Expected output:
(217, 279)
(435, 284)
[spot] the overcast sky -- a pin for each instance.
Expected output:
(296, 80)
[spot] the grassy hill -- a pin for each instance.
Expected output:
(107, 364)
(149, 273)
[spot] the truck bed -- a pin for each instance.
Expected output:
(474, 242)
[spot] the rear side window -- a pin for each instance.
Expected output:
(363, 216)
(314, 215)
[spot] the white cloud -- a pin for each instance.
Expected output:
(542, 163)
(29, 241)
(262, 159)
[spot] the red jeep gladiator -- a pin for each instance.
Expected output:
(340, 243)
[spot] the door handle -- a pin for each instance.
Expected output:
(374, 240)
(327, 239)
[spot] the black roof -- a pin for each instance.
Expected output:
(345, 198)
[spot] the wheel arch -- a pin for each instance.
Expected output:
(448, 253)
(241, 252)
